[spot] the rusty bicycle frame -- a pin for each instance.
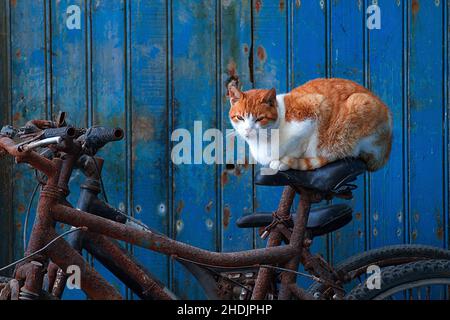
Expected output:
(53, 208)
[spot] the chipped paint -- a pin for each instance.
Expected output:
(258, 5)
(261, 53)
(415, 7)
(226, 216)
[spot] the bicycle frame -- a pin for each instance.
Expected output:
(115, 258)
(53, 208)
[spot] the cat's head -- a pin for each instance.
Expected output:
(252, 110)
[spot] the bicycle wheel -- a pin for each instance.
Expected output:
(356, 266)
(429, 279)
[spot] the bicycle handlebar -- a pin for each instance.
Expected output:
(96, 138)
(89, 141)
(63, 132)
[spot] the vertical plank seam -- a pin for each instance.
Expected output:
(406, 122)
(328, 55)
(170, 125)
(367, 176)
(10, 98)
(8, 90)
(289, 42)
(88, 67)
(219, 124)
(445, 152)
(128, 120)
(47, 55)
(252, 81)
(90, 113)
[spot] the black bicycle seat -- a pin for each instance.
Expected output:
(333, 177)
(321, 220)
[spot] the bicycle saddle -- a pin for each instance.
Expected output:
(321, 220)
(333, 177)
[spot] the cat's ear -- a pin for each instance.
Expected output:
(270, 97)
(234, 94)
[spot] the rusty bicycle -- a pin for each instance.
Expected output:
(56, 149)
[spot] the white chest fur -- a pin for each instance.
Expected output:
(294, 138)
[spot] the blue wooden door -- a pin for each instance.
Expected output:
(152, 67)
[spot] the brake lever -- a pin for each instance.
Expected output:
(8, 131)
(40, 143)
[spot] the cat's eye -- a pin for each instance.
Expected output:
(240, 118)
(260, 119)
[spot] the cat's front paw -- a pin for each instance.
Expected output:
(277, 165)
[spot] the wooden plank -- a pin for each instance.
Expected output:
(308, 49)
(108, 99)
(28, 96)
(6, 162)
(235, 181)
(67, 64)
(194, 94)
(347, 61)
(270, 63)
(150, 161)
(426, 123)
(387, 212)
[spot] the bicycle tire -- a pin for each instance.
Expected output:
(407, 252)
(403, 277)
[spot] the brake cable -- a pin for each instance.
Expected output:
(43, 248)
(27, 216)
(128, 217)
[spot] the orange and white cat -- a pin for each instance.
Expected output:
(319, 122)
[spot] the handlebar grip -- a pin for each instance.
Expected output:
(97, 137)
(63, 132)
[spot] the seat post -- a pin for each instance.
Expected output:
(296, 241)
(298, 233)
(275, 238)
(285, 204)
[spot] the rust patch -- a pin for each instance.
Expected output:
(143, 128)
(261, 53)
(13, 3)
(180, 207)
(245, 48)
(281, 5)
(415, 7)
(298, 3)
(226, 216)
(209, 206)
(358, 216)
(440, 233)
(21, 208)
(231, 69)
(414, 235)
(246, 163)
(17, 116)
(18, 53)
(224, 178)
(258, 5)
